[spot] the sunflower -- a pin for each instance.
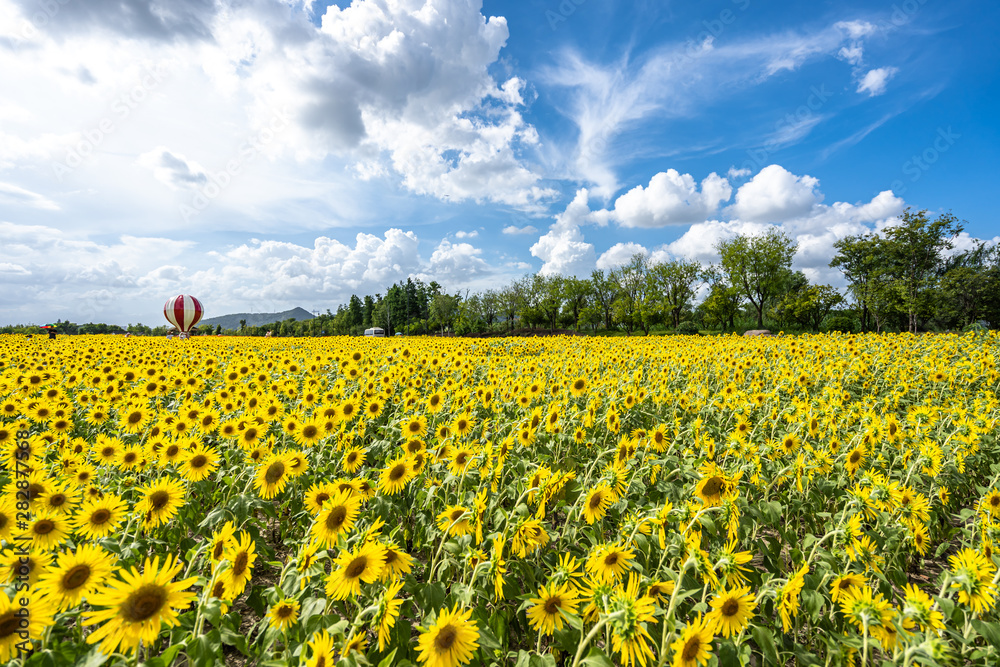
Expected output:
(137, 605)
(397, 563)
(99, 517)
(17, 566)
(546, 611)
(321, 645)
(578, 387)
(241, 556)
(338, 515)
(8, 517)
(353, 459)
(272, 476)
(352, 568)
(395, 476)
(199, 463)
(160, 501)
(414, 427)
(133, 419)
(48, 530)
(450, 641)
(221, 539)
(309, 432)
(24, 618)
(435, 402)
(284, 614)
(596, 504)
(731, 611)
(455, 520)
(317, 494)
(76, 574)
(460, 460)
(609, 562)
(694, 646)
(388, 611)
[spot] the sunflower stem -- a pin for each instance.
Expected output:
(593, 633)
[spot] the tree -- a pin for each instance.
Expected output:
(914, 248)
(631, 281)
(576, 295)
(810, 305)
(673, 286)
(243, 325)
(755, 265)
(605, 291)
(722, 305)
(444, 309)
(858, 258)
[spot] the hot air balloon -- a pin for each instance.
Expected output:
(183, 311)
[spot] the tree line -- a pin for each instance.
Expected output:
(908, 277)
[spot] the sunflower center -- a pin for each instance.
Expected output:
(199, 461)
(285, 611)
(713, 486)
(337, 517)
(414, 427)
(995, 501)
(730, 607)
(445, 639)
(309, 431)
(9, 624)
(611, 559)
(158, 499)
(274, 472)
(134, 418)
(461, 459)
(397, 472)
(855, 457)
(76, 577)
(43, 527)
(57, 500)
(356, 567)
(595, 501)
(172, 450)
(144, 603)
(456, 514)
(552, 605)
(390, 557)
(691, 648)
(35, 490)
(322, 498)
(240, 563)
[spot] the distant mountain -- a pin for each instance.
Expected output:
(255, 319)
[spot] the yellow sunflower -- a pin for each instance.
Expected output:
(450, 641)
(76, 574)
(338, 515)
(138, 604)
(546, 611)
(352, 568)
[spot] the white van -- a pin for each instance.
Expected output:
(377, 332)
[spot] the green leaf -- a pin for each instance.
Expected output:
(728, 657)
(765, 641)
(387, 660)
(988, 631)
(597, 658)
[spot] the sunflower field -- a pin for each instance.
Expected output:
(685, 501)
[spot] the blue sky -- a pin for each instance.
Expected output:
(263, 155)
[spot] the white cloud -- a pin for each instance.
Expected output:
(15, 197)
(854, 54)
(455, 264)
(856, 29)
(774, 195)
(562, 249)
(875, 81)
(620, 254)
(173, 170)
(671, 199)
(515, 230)
(467, 235)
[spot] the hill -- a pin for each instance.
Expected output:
(255, 319)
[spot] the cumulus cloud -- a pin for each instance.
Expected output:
(774, 195)
(875, 81)
(562, 249)
(620, 254)
(671, 198)
(467, 235)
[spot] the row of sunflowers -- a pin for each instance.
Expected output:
(692, 501)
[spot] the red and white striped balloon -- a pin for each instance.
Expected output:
(183, 311)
